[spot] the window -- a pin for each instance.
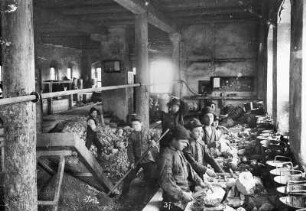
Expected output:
(161, 75)
(69, 72)
(283, 65)
(96, 74)
(269, 99)
(52, 73)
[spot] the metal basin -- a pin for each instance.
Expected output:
(281, 171)
(294, 202)
(294, 177)
(293, 189)
(278, 162)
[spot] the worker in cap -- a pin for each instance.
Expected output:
(92, 129)
(197, 153)
(210, 134)
(175, 173)
(139, 141)
(177, 109)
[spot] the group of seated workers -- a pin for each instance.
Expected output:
(182, 159)
(186, 158)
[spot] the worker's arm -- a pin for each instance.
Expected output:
(211, 161)
(91, 123)
(201, 169)
(167, 182)
(184, 108)
(130, 150)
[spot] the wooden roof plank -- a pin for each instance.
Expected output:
(154, 16)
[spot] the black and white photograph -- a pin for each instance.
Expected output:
(152, 105)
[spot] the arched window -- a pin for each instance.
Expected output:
(96, 74)
(269, 99)
(54, 70)
(283, 65)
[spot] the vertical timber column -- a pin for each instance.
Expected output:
(176, 39)
(19, 119)
(142, 67)
(298, 81)
(262, 55)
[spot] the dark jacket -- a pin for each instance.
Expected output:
(171, 121)
(210, 140)
(138, 143)
(175, 175)
(90, 134)
(195, 149)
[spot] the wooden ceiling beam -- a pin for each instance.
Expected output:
(60, 4)
(212, 11)
(154, 16)
(93, 10)
(193, 4)
(43, 16)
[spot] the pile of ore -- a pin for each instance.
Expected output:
(113, 159)
(237, 115)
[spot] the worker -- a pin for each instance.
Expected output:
(175, 173)
(210, 134)
(197, 152)
(139, 142)
(92, 128)
(175, 117)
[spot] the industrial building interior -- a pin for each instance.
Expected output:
(132, 61)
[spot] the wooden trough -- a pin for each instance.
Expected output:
(55, 150)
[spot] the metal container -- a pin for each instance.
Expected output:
(278, 171)
(292, 176)
(278, 161)
(293, 202)
(293, 189)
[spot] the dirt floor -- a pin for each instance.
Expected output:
(78, 196)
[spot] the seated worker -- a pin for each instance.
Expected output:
(176, 173)
(210, 107)
(175, 117)
(91, 135)
(139, 141)
(197, 152)
(210, 136)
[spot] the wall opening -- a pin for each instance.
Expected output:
(96, 75)
(269, 99)
(161, 74)
(54, 71)
(283, 64)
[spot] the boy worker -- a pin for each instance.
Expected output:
(91, 135)
(176, 173)
(197, 152)
(139, 141)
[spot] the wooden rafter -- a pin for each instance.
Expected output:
(154, 16)
(43, 16)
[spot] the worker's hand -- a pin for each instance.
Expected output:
(132, 165)
(211, 173)
(207, 185)
(187, 196)
(153, 144)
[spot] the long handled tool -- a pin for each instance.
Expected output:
(138, 161)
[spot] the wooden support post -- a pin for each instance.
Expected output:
(298, 81)
(38, 82)
(20, 188)
(176, 39)
(143, 75)
(262, 55)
